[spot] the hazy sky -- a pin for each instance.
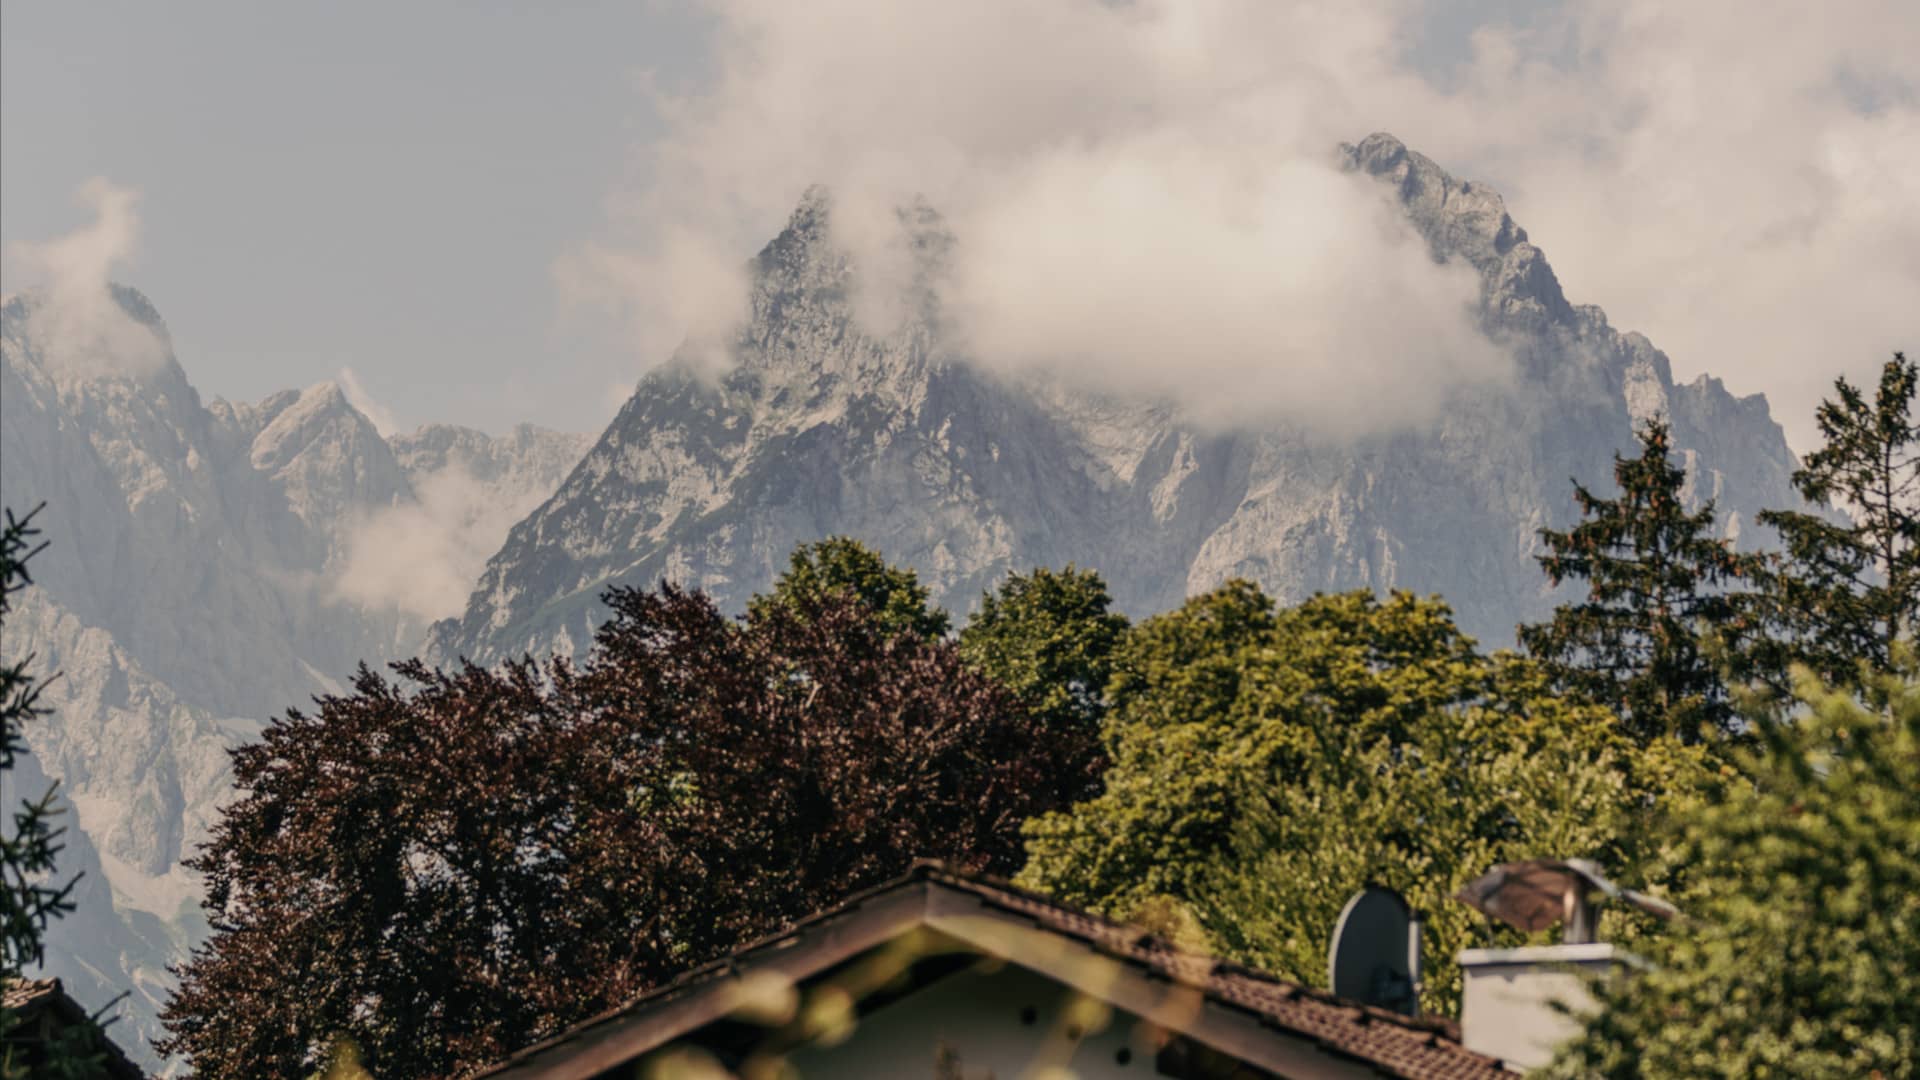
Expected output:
(452, 199)
(376, 185)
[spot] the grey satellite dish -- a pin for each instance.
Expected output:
(1375, 956)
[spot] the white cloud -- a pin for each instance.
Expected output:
(1144, 195)
(360, 398)
(1739, 181)
(421, 558)
(1142, 189)
(1246, 294)
(76, 322)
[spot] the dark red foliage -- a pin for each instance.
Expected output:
(449, 867)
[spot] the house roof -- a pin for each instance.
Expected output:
(1002, 919)
(18, 995)
(32, 999)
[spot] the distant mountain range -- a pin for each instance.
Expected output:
(821, 428)
(191, 590)
(216, 563)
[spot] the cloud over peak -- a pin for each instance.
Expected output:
(1144, 192)
(78, 322)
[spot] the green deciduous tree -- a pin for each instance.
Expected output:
(1657, 581)
(1049, 637)
(1846, 590)
(1801, 953)
(1518, 774)
(842, 564)
(1169, 797)
(1266, 764)
(442, 869)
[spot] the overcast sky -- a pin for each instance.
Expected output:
(382, 186)
(497, 212)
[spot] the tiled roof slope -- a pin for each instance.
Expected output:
(1392, 1044)
(17, 994)
(46, 1000)
(1399, 1045)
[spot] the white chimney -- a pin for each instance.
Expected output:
(1511, 1005)
(1519, 1005)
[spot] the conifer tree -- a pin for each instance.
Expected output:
(30, 843)
(1845, 591)
(1656, 580)
(31, 894)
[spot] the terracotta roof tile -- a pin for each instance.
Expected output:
(1418, 1049)
(1395, 1045)
(36, 997)
(17, 994)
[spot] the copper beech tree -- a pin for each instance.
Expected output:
(439, 868)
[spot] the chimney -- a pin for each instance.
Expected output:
(1520, 1004)
(1511, 1005)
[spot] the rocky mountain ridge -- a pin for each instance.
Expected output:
(188, 594)
(822, 427)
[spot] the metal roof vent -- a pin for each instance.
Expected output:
(1535, 894)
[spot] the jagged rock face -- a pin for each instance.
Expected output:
(526, 459)
(823, 429)
(326, 457)
(818, 429)
(144, 489)
(185, 597)
(134, 945)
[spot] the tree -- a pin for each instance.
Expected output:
(1800, 955)
(1464, 789)
(29, 847)
(1049, 637)
(1656, 578)
(841, 563)
(447, 866)
(1848, 590)
(1267, 763)
(1167, 798)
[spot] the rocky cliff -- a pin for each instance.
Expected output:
(191, 589)
(823, 428)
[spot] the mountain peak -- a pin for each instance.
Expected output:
(1377, 153)
(138, 308)
(90, 335)
(1471, 218)
(810, 227)
(827, 427)
(325, 394)
(1467, 220)
(319, 403)
(815, 204)
(315, 444)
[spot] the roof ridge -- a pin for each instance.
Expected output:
(1231, 983)
(935, 868)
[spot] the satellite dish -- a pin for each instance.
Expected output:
(1376, 951)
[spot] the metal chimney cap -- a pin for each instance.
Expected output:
(1537, 893)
